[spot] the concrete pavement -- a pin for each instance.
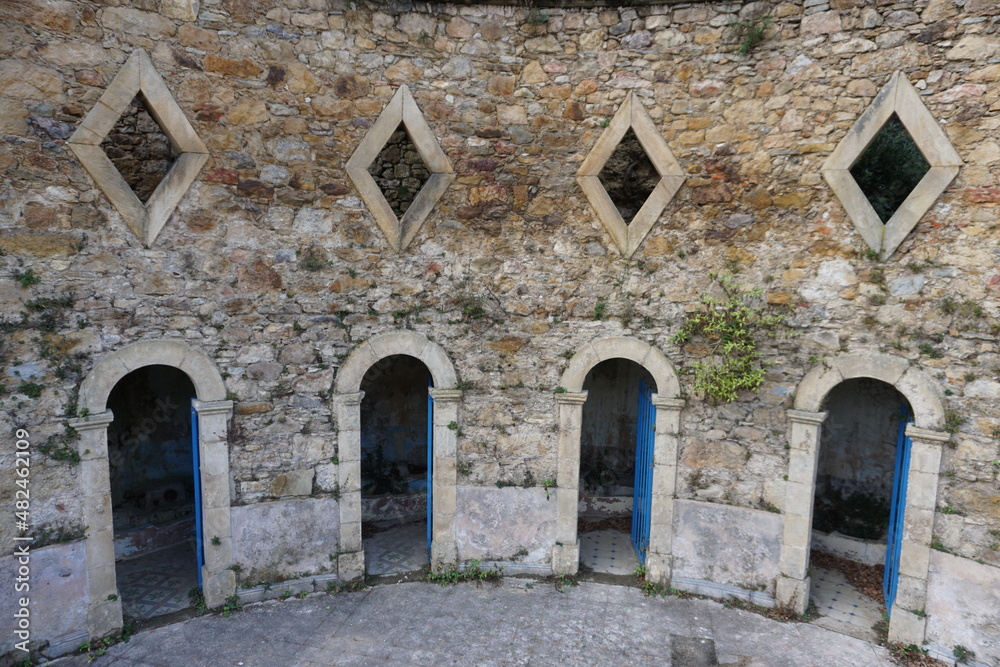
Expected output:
(519, 622)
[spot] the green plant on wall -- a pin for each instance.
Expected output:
(733, 326)
(751, 31)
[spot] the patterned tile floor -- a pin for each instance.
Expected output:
(608, 551)
(397, 550)
(157, 583)
(842, 607)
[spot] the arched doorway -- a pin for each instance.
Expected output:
(396, 465)
(616, 460)
(926, 437)
(155, 491)
(664, 414)
(104, 607)
(443, 426)
(857, 504)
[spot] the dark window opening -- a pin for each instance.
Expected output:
(629, 176)
(399, 171)
(139, 149)
(890, 168)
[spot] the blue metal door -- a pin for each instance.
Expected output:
(642, 495)
(199, 545)
(894, 543)
(430, 465)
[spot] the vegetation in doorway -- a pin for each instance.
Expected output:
(963, 655)
(861, 515)
(473, 571)
(733, 327)
(95, 648)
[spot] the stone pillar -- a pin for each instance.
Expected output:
(792, 589)
(659, 560)
(351, 557)
(104, 605)
(218, 581)
(444, 548)
(566, 552)
(918, 524)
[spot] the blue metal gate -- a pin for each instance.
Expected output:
(430, 465)
(199, 545)
(894, 543)
(642, 498)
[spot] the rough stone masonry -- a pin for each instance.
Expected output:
(512, 273)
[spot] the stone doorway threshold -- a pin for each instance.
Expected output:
(842, 607)
(396, 549)
(157, 583)
(608, 551)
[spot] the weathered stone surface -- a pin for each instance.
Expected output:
(295, 483)
(23, 80)
(952, 621)
(484, 524)
(57, 573)
(729, 545)
(137, 22)
(259, 545)
(821, 23)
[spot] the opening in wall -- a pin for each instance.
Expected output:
(616, 458)
(399, 171)
(139, 148)
(629, 176)
(859, 502)
(396, 465)
(890, 168)
(153, 490)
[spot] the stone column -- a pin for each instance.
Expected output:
(793, 584)
(566, 552)
(444, 548)
(104, 605)
(351, 557)
(659, 560)
(218, 581)
(918, 524)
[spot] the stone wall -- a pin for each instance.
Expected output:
(508, 272)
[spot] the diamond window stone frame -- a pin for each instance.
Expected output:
(898, 97)
(628, 236)
(401, 109)
(136, 76)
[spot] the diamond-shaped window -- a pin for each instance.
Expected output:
(891, 167)
(126, 128)
(139, 149)
(400, 188)
(399, 171)
(626, 178)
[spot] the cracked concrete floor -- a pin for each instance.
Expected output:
(520, 622)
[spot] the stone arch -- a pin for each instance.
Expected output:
(927, 436)
(347, 406)
(621, 347)
(198, 366)
(386, 345)
(104, 610)
(566, 552)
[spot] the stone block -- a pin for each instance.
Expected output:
(286, 538)
(58, 575)
(497, 523)
(727, 545)
(295, 483)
